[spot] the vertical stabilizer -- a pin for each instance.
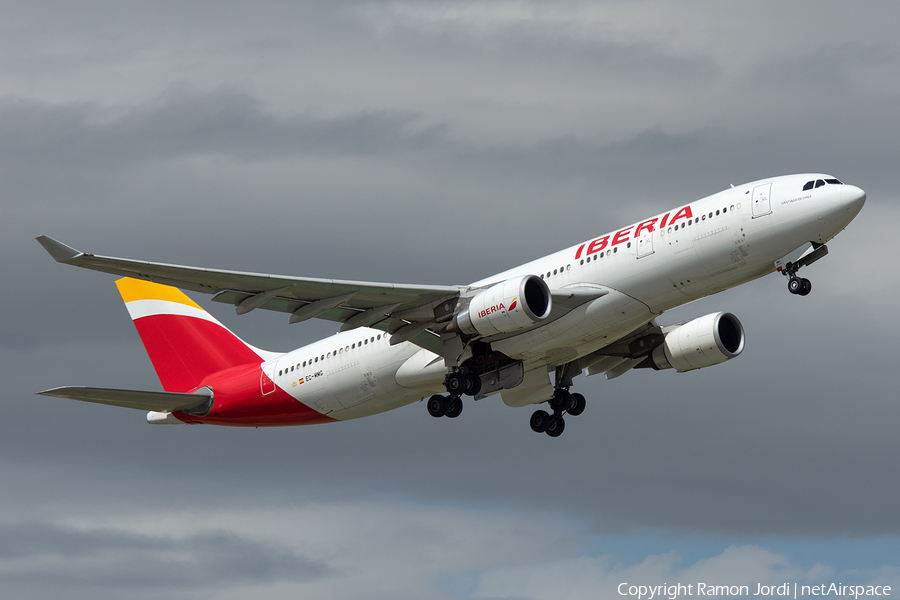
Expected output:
(184, 342)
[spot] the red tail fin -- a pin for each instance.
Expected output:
(185, 343)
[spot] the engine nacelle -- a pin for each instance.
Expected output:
(703, 342)
(507, 306)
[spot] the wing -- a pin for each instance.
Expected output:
(153, 401)
(408, 312)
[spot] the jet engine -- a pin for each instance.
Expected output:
(703, 342)
(507, 306)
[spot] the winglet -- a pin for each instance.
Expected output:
(59, 251)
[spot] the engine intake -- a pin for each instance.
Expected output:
(703, 342)
(508, 306)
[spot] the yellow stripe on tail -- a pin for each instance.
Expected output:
(138, 289)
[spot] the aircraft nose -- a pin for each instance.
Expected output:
(853, 198)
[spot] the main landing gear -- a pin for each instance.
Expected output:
(457, 384)
(562, 403)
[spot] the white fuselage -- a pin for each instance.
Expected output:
(650, 267)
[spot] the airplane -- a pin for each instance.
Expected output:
(591, 308)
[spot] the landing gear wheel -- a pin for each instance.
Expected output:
(577, 405)
(454, 407)
(560, 401)
(472, 384)
(455, 384)
(555, 427)
(795, 285)
(805, 287)
(437, 405)
(539, 421)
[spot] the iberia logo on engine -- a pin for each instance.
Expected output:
(492, 309)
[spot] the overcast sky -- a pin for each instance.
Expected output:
(440, 143)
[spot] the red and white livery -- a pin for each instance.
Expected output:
(523, 334)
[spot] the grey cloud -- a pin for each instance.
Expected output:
(826, 67)
(61, 557)
(183, 122)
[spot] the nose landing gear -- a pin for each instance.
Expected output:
(798, 285)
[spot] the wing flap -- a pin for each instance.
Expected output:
(137, 399)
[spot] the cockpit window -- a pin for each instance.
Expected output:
(808, 185)
(834, 182)
(819, 183)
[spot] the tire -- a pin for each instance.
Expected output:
(539, 421)
(560, 401)
(437, 405)
(455, 384)
(577, 406)
(454, 408)
(795, 285)
(472, 384)
(555, 427)
(805, 287)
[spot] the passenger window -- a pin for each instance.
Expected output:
(717, 213)
(279, 373)
(808, 185)
(379, 337)
(615, 250)
(710, 215)
(292, 368)
(670, 230)
(554, 271)
(366, 342)
(629, 244)
(582, 261)
(304, 363)
(703, 218)
(819, 183)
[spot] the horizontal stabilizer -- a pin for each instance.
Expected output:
(141, 400)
